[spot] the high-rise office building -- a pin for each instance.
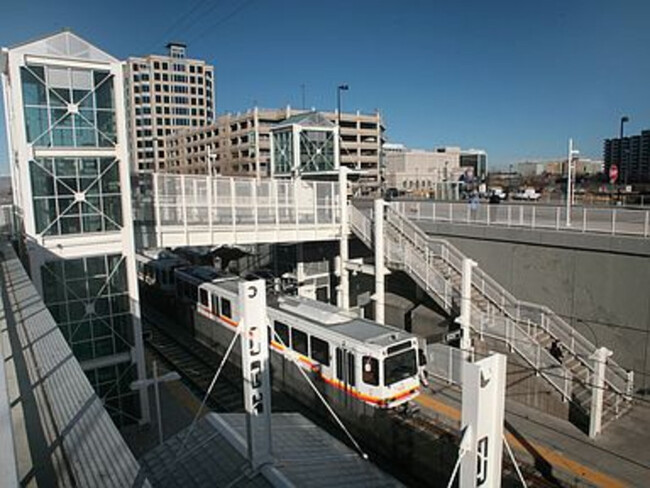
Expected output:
(240, 145)
(165, 94)
(66, 126)
(632, 157)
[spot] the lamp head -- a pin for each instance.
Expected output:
(344, 87)
(624, 119)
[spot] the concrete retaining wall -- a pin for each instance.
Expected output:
(600, 284)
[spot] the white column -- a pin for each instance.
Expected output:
(483, 405)
(255, 371)
(599, 358)
(380, 270)
(343, 291)
(465, 319)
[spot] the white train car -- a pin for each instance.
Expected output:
(351, 357)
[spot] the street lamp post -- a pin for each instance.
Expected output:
(339, 89)
(155, 381)
(569, 181)
(624, 119)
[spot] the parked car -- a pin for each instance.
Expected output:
(495, 198)
(529, 194)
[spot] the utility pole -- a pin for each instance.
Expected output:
(624, 119)
(569, 182)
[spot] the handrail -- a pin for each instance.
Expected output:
(616, 376)
(584, 219)
(519, 311)
(419, 266)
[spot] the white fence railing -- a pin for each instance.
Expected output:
(446, 363)
(411, 250)
(214, 202)
(613, 221)
(527, 314)
(506, 318)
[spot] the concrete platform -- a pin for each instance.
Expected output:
(559, 451)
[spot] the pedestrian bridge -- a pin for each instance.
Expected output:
(190, 210)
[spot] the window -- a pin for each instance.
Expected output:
(370, 371)
(226, 310)
(215, 304)
(351, 377)
(282, 332)
(203, 295)
(320, 351)
(340, 372)
(299, 342)
(48, 91)
(399, 366)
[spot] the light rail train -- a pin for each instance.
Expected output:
(349, 357)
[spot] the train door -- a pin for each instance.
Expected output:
(345, 367)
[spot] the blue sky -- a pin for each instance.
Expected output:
(517, 78)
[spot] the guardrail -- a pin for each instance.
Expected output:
(524, 313)
(612, 221)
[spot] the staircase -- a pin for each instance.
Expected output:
(527, 329)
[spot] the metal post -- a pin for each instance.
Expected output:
(532, 218)
(255, 371)
(343, 292)
(646, 224)
(598, 384)
(584, 218)
(569, 184)
(184, 206)
(557, 219)
(509, 214)
(483, 410)
(208, 181)
(466, 306)
(379, 261)
(614, 221)
(156, 209)
(156, 389)
(233, 208)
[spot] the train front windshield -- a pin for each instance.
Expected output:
(400, 366)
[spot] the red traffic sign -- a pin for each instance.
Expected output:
(613, 173)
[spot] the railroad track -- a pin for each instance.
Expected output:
(197, 364)
(196, 367)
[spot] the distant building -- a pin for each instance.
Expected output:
(477, 160)
(164, 94)
(631, 155)
(582, 167)
(240, 145)
(416, 170)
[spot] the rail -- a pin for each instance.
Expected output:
(7, 220)
(525, 313)
(612, 221)
(518, 321)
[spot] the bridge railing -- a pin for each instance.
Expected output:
(517, 313)
(217, 202)
(613, 221)
(407, 246)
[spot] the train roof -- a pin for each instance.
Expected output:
(342, 322)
